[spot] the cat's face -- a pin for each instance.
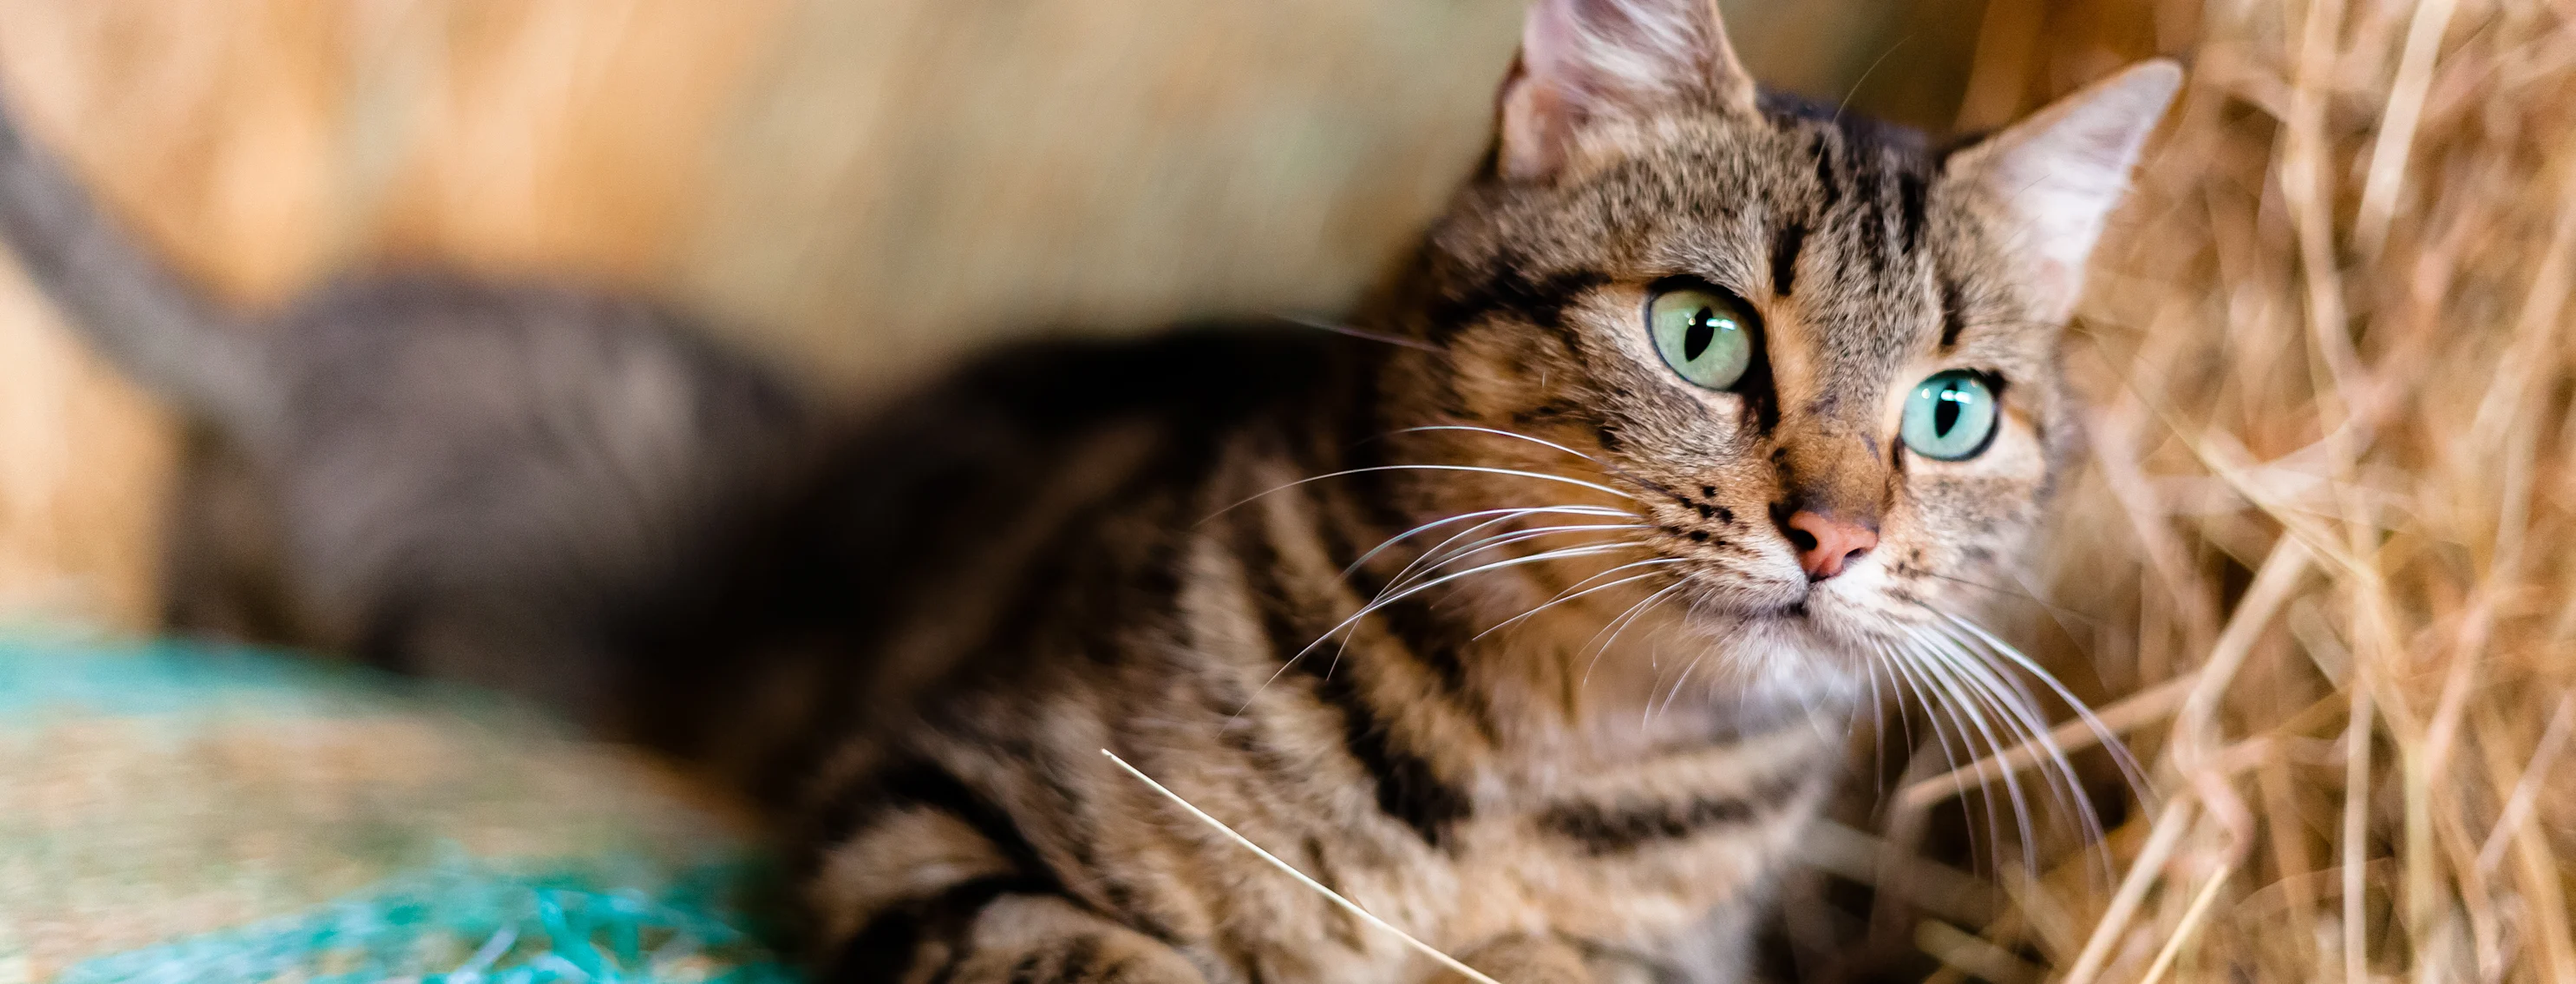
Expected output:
(1815, 359)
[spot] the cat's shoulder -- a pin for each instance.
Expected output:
(1199, 374)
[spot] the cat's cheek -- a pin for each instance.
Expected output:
(1955, 522)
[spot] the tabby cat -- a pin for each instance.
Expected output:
(1529, 613)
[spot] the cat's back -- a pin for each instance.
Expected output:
(1029, 439)
(984, 503)
(1026, 408)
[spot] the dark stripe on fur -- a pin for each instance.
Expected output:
(1408, 788)
(1910, 188)
(1432, 641)
(1784, 256)
(1072, 965)
(1823, 151)
(884, 950)
(1435, 643)
(1610, 829)
(1508, 288)
(1345, 929)
(1953, 319)
(922, 783)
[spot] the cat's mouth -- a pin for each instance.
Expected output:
(1814, 610)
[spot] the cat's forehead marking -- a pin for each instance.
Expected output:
(1849, 209)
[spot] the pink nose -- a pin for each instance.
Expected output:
(1826, 544)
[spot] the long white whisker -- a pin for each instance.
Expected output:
(1356, 332)
(1630, 612)
(1514, 472)
(1490, 541)
(1598, 511)
(2119, 751)
(1675, 693)
(1975, 701)
(1629, 618)
(2038, 734)
(1424, 559)
(1500, 433)
(1964, 705)
(1911, 676)
(1564, 596)
(1508, 538)
(1427, 563)
(1385, 600)
(1877, 733)
(2035, 731)
(1441, 553)
(1903, 717)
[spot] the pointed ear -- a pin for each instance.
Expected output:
(1587, 61)
(2052, 179)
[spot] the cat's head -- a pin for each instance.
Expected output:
(1813, 356)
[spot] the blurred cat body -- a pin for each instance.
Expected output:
(449, 476)
(1512, 616)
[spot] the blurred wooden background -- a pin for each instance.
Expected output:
(857, 188)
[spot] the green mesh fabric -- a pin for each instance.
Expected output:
(183, 813)
(464, 925)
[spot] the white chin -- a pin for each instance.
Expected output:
(1809, 652)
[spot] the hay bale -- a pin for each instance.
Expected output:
(2327, 542)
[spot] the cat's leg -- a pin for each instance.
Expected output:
(1033, 938)
(1045, 938)
(1524, 959)
(1015, 939)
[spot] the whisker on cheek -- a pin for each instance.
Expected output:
(1905, 672)
(1481, 469)
(1614, 626)
(1596, 511)
(2119, 751)
(1443, 555)
(1499, 433)
(1570, 593)
(1962, 703)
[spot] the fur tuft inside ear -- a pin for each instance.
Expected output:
(1586, 61)
(2054, 178)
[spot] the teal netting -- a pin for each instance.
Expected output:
(464, 925)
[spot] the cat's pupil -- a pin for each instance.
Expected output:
(1946, 410)
(1703, 330)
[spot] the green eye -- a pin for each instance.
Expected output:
(1705, 335)
(1950, 416)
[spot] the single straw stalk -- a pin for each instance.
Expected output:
(1336, 898)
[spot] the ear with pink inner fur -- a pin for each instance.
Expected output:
(1585, 62)
(2054, 178)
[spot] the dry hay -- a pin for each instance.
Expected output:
(2323, 558)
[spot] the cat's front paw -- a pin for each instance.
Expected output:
(1522, 959)
(1039, 940)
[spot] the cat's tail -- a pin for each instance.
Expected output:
(141, 314)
